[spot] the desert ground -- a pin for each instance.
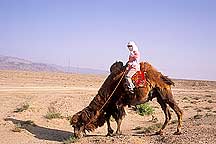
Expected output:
(28, 100)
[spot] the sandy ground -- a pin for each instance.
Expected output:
(66, 94)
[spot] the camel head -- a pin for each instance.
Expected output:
(77, 123)
(116, 68)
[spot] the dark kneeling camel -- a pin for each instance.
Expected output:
(112, 97)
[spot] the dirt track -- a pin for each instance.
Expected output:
(69, 93)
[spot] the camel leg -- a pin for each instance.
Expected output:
(118, 116)
(109, 128)
(178, 112)
(118, 131)
(167, 114)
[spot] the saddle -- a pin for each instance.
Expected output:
(139, 79)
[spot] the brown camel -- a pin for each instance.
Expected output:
(102, 107)
(112, 98)
(157, 86)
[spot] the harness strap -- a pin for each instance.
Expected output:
(91, 120)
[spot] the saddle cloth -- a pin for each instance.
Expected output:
(139, 79)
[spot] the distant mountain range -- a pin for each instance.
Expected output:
(13, 63)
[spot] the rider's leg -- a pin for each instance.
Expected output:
(129, 81)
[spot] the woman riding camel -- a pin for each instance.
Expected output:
(132, 64)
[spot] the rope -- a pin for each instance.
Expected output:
(91, 120)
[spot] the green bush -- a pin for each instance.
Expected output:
(144, 109)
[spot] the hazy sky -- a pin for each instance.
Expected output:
(178, 37)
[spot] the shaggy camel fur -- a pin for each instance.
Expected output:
(157, 86)
(112, 98)
(102, 107)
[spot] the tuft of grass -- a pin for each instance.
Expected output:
(144, 109)
(69, 118)
(53, 115)
(22, 108)
(71, 139)
(152, 128)
(17, 128)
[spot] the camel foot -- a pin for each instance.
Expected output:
(118, 133)
(160, 132)
(110, 132)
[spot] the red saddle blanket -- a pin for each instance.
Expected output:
(139, 79)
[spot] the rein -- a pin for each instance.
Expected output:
(91, 120)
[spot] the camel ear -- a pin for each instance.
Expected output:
(74, 120)
(121, 63)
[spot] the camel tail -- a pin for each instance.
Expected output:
(167, 80)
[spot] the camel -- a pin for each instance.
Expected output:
(112, 97)
(157, 86)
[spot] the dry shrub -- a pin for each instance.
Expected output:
(22, 108)
(71, 139)
(52, 113)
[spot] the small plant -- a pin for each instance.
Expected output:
(22, 108)
(152, 128)
(71, 139)
(17, 128)
(69, 118)
(144, 109)
(149, 129)
(52, 113)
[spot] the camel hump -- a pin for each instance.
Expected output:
(154, 74)
(167, 80)
(145, 66)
